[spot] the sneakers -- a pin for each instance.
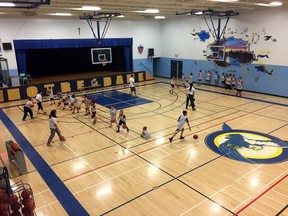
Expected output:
(170, 139)
(117, 131)
(49, 145)
(181, 138)
(127, 129)
(93, 122)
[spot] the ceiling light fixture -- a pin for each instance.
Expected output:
(7, 4)
(61, 14)
(160, 17)
(275, 3)
(151, 11)
(90, 8)
(120, 16)
(198, 13)
(225, 0)
(263, 4)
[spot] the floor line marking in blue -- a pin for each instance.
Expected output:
(59, 189)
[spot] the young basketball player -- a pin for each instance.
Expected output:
(86, 102)
(239, 87)
(93, 111)
(76, 106)
(27, 109)
(172, 83)
(181, 121)
(145, 134)
(122, 121)
(199, 77)
(183, 79)
(53, 125)
(113, 114)
(39, 99)
(51, 95)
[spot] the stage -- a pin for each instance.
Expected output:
(76, 76)
(70, 83)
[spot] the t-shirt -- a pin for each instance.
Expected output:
(146, 135)
(28, 103)
(113, 113)
(52, 122)
(132, 83)
(181, 121)
(192, 92)
(39, 98)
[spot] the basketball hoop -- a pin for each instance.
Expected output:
(103, 62)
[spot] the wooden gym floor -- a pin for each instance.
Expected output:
(113, 173)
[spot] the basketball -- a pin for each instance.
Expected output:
(62, 138)
(15, 147)
(83, 101)
(26, 193)
(72, 104)
(15, 206)
(124, 126)
(59, 103)
(78, 108)
(2, 196)
(195, 136)
(12, 199)
(32, 105)
(48, 92)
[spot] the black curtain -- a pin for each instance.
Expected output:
(49, 62)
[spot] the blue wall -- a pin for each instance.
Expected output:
(254, 80)
(143, 65)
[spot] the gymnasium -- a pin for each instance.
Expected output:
(233, 158)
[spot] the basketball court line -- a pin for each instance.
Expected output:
(260, 195)
(282, 210)
(203, 201)
(157, 145)
(259, 211)
(58, 188)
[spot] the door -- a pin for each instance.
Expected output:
(176, 69)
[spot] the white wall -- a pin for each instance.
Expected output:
(177, 39)
(146, 33)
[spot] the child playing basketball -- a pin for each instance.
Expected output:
(183, 79)
(27, 109)
(87, 104)
(122, 121)
(39, 99)
(172, 83)
(51, 95)
(93, 111)
(181, 121)
(145, 134)
(76, 106)
(113, 114)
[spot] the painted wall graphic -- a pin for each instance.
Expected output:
(247, 146)
(238, 46)
(239, 50)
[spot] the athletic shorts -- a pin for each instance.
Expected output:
(179, 129)
(121, 122)
(228, 86)
(172, 85)
(133, 89)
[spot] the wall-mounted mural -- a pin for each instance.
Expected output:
(238, 47)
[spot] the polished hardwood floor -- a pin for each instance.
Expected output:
(121, 173)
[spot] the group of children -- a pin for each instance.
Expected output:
(74, 105)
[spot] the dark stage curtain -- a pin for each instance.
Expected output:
(39, 57)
